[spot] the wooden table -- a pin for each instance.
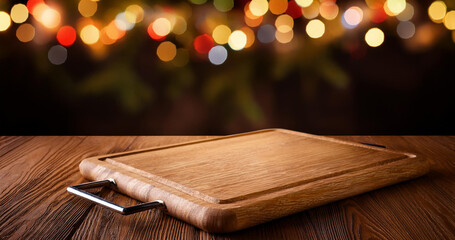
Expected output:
(34, 204)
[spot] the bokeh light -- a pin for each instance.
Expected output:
(31, 4)
(66, 36)
(166, 51)
(406, 29)
(122, 23)
(113, 32)
(180, 25)
(253, 22)
(352, 17)
(407, 13)
(19, 13)
(294, 10)
(315, 28)
(90, 34)
(259, 7)
(161, 27)
(134, 13)
(57, 55)
(198, 2)
(250, 38)
(328, 10)
(223, 5)
(437, 11)
(49, 17)
(25, 32)
(203, 43)
(5, 21)
(449, 20)
(304, 3)
(266, 33)
(284, 23)
(284, 37)
(237, 40)
(311, 11)
(218, 55)
(221, 34)
(278, 7)
(394, 7)
(87, 8)
(374, 37)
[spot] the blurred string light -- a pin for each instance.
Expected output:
(25, 32)
(264, 21)
(315, 28)
(374, 37)
(437, 11)
(5, 21)
(218, 55)
(19, 13)
(352, 17)
(406, 29)
(57, 55)
(237, 40)
(166, 51)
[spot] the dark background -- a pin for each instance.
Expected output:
(384, 90)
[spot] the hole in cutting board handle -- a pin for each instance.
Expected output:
(374, 145)
(77, 190)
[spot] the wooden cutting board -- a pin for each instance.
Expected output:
(229, 183)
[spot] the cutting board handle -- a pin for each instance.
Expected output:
(77, 190)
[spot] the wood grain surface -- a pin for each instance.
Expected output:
(35, 172)
(234, 182)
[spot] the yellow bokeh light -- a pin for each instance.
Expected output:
(437, 11)
(49, 17)
(374, 37)
(328, 10)
(394, 7)
(180, 25)
(162, 26)
(311, 11)
(221, 34)
(304, 3)
(90, 34)
(237, 40)
(19, 13)
(315, 28)
(5, 21)
(278, 6)
(284, 23)
(259, 7)
(250, 38)
(284, 37)
(25, 32)
(449, 20)
(134, 13)
(166, 51)
(87, 8)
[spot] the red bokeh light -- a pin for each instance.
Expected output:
(31, 4)
(203, 43)
(66, 36)
(378, 15)
(153, 35)
(294, 10)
